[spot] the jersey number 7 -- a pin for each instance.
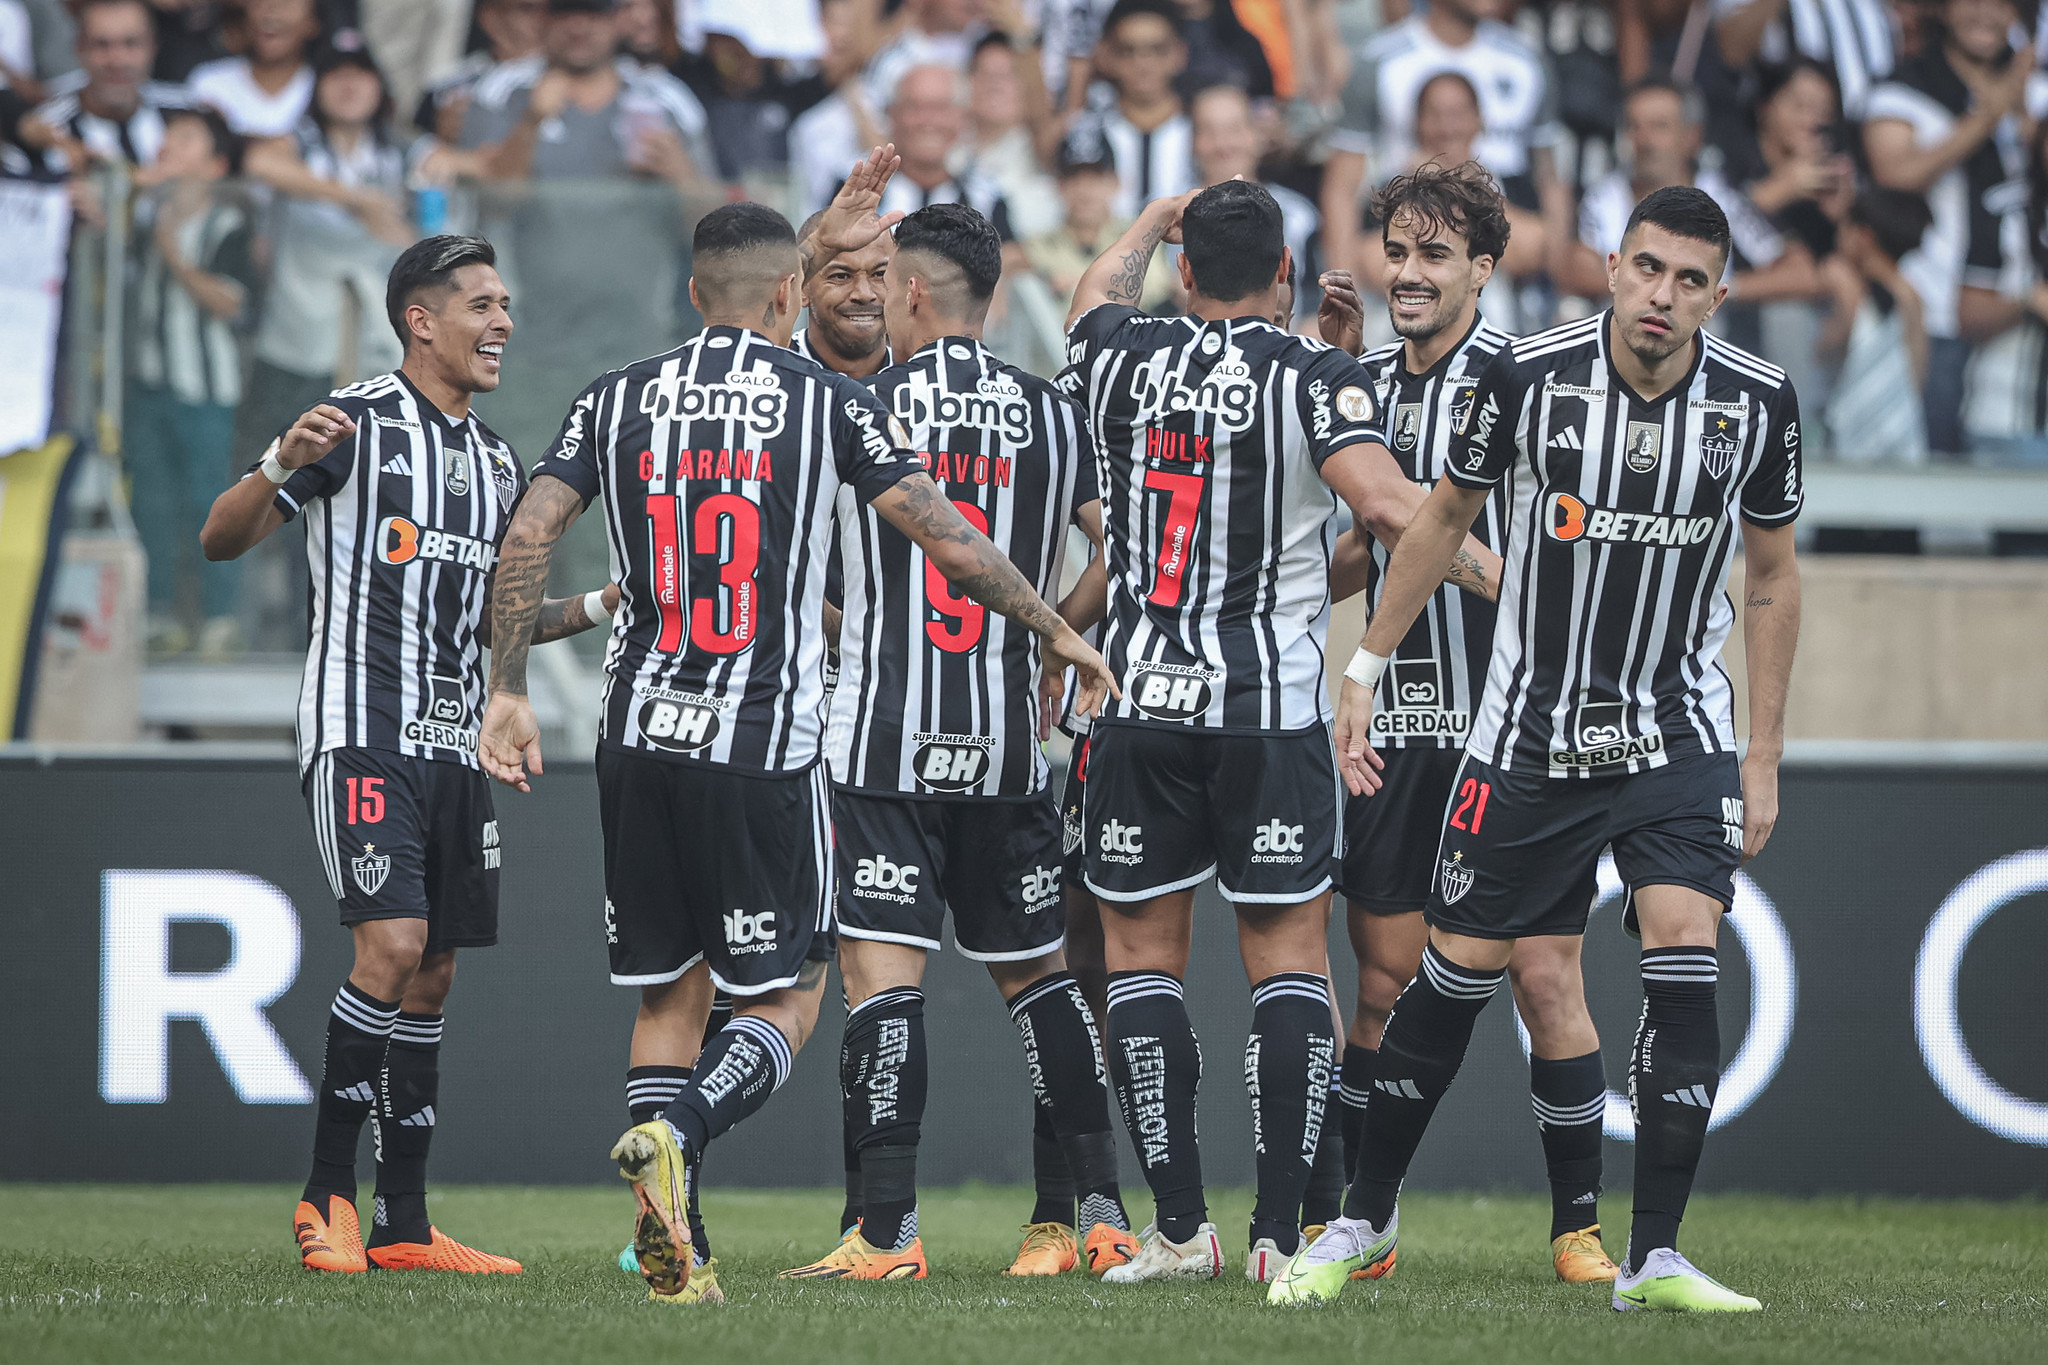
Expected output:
(1177, 532)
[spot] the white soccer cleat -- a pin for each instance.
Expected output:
(1668, 1283)
(1267, 1262)
(1198, 1258)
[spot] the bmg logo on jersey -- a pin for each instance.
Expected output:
(997, 404)
(681, 722)
(1277, 842)
(1172, 691)
(754, 398)
(1041, 886)
(745, 933)
(1122, 843)
(1225, 393)
(950, 763)
(879, 879)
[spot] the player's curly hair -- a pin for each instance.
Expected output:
(1463, 199)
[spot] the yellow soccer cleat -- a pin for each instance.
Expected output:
(702, 1287)
(1580, 1259)
(854, 1259)
(1107, 1247)
(331, 1242)
(1048, 1249)
(442, 1252)
(652, 1161)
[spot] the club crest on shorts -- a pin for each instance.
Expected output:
(370, 868)
(1456, 878)
(1645, 444)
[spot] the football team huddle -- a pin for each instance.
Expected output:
(838, 643)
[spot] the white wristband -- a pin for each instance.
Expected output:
(594, 607)
(1366, 667)
(272, 470)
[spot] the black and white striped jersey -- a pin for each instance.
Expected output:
(1437, 674)
(1621, 521)
(800, 342)
(403, 521)
(718, 464)
(938, 696)
(1218, 527)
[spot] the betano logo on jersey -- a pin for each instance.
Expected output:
(401, 542)
(754, 398)
(681, 722)
(997, 404)
(950, 763)
(1567, 519)
(1225, 393)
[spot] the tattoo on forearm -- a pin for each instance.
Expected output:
(1760, 601)
(1467, 571)
(521, 580)
(560, 617)
(994, 582)
(1128, 284)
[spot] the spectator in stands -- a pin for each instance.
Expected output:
(17, 49)
(826, 141)
(1221, 51)
(580, 110)
(1874, 410)
(1808, 182)
(1577, 40)
(1007, 119)
(928, 33)
(1375, 134)
(340, 225)
(2004, 311)
(194, 279)
(116, 114)
(266, 91)
(1068, 33)
(925, 121)
(1226, 144)
(1852, 39)
(1662, 130)
(512, 32)
(1144, 121)
(417, 43)
(1947, 125)
(750, 102)
(1086, 171)
(188, 34)
(647, 32)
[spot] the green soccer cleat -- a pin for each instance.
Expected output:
(629, 1262)
(1347, 1249)
(652, 1161)
(1668, 1283)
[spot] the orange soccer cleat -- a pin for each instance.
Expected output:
(855, 1259)
(1107, 1247)
(441, 1253)
(1048, 1250)
(1579, 1258)
(333, 1242)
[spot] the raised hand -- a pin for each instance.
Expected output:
(854, 218)
(1341, 318)
(313, 436)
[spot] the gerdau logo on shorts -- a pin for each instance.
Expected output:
(879, 879)
(1277, 843)
(745, 933)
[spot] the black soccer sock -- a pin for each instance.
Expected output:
(1354, 1084)
(849, 1213)
(883, 1077)
(1051, 1179)
(1570, 1099)
(410, 1087)
(1287, 1063)
(1157, 1065)
(721, 1014)
(358, 1035)
(1424, 1046)
(1070, 1087)
(1673, 1073)
(744, 1063)
(649, 1090)
(1324, 1197)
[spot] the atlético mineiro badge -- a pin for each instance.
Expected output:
(1718, 449)
(1457, 878)
(373, 867)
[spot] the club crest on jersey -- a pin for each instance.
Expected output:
(504, 475)
(1461, 405)
(1455, 876)
(1225, 393)
(455, 469)
(1604, 733)
(370, 869)
(446, 722)
(680, 722)
(1172, 691)
(997, 404)
(1718, 447)
(950, 763)
(1354, 403)
(1407, 426)
(1645, 444)
(754, 398)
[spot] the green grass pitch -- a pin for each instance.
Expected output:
(154, 1274)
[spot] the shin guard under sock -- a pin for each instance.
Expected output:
(1569, 1096)
(1673, 1073)
(883, 1078)
(744, 1063)
(1070, 1085)
(1157, 1065)
(1287, 1063)
(358, 1035)
(409, 1088)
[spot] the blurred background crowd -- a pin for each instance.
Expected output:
(241, 173)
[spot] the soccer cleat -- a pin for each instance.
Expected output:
(1580, 1259)
(701, 1287)
(332, 1243)
(442, 1252)
(652, 1161)
(629, 1262)
(854, 1259)
(1107, 1247)
(1048, 1250)
(1348, 1250)
(1198, 1258)
(1668, 1283)
(1266, 1263)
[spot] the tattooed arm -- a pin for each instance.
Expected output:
(1384, 501)
(1118, 275)
(560, 617)
(511, 736)
(1770, 633)
(916, 507)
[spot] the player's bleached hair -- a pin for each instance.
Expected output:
(1461, 200)
(429, 263)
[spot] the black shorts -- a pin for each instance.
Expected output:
(1165, 808)
(904, 863)
(1072, 863)
(408, 838)
(1521, 851)
(1391, 836)
(703, 862)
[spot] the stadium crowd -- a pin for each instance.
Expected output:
(1881, 162)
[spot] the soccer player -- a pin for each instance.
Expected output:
(1220, 439)
(845, 331)
(718, 464)
(1443, 231)
(1606, 718)
(407, 495)
(940, 801)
